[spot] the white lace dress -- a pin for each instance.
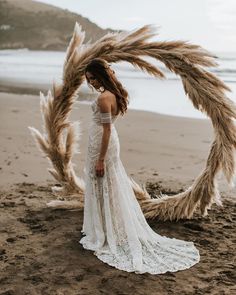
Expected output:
(114, 225)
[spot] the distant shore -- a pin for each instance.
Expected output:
(23, 88)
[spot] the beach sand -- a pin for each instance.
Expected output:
(39, 249)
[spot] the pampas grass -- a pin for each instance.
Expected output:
(204, 89)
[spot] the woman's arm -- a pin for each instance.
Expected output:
(105, 108)
(105, 140)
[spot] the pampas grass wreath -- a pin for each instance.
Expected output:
(206, 91)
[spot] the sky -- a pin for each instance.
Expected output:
(209, 23)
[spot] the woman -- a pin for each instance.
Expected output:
(114, 225)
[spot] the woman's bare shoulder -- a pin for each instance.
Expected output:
(106, 97)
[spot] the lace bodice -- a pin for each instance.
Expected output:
(97, 114)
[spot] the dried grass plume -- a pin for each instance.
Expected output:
(204, 89)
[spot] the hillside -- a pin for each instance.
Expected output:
(39, 26)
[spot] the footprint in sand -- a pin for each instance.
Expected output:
(20, 257)
(140, 172)
(79, 277)
(33, 224)
(93, 270)
(8, 292)
(25, 175)
(37, 265)
(193, 226)
(15, 111)
(3, 255)
(61, 280)
(34, 279)
(8, 204)
(228, 226)
(228, 277)
(204, 242)
(11, 240)
(229, 273)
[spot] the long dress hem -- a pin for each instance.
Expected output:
(114, 225)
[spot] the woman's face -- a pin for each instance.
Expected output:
(92, 80)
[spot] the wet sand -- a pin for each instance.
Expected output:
(39, 249)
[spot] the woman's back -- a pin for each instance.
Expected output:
(111, 99)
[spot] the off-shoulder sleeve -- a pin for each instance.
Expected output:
(105, 118)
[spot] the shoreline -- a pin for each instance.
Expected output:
(83, 96)
(154, 147)
(22, 88)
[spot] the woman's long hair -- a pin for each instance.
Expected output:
(104, 75)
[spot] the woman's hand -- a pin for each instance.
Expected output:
(99, 168)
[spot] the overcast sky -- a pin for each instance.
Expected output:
(210, 23)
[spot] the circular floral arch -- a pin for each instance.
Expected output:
(205, 90)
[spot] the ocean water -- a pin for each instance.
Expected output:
(146, 92)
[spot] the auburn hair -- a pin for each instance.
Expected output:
(101, 70)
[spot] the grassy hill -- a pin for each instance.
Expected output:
(39, 26)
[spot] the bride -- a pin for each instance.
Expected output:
(114, 226)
